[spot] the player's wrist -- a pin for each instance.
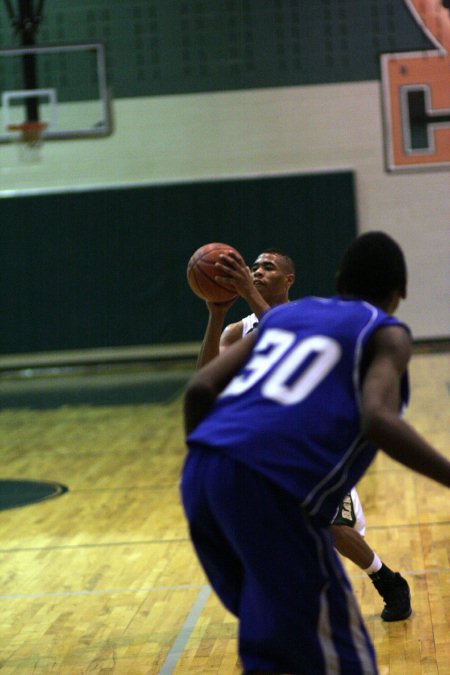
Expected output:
(218, 310)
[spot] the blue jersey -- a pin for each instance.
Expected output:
(292, 412)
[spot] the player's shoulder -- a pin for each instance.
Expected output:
(231, 333)
(392, 336)
(392, 342)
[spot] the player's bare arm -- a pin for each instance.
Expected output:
(381, 422)
(231, 334)
(208, 382)
(210, 345)
(216, 339)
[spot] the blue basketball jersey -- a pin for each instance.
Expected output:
(292, 412)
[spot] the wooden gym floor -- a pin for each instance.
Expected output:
(103, 578)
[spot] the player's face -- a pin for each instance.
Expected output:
(270, 276)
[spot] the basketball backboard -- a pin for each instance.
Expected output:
(69, 91)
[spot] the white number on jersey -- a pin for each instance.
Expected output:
(323, 352)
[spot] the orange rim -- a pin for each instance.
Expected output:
(31, 131)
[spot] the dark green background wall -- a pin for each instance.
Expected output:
(108, 268)
(176, 46)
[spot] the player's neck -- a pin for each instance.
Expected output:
(388, 305)
(279, 300)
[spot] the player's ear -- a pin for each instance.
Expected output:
(290, 278)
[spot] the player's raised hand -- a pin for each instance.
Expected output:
(232, 270)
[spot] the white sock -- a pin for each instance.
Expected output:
(375, 566)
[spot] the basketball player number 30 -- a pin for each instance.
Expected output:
(280, 385)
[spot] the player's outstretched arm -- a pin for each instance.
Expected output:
(208, 382)
(210, 346)
(380, 403)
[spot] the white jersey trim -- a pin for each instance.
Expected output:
(249, 323)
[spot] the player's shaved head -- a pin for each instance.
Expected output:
(373, 266)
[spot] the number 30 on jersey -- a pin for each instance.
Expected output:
(276, 363)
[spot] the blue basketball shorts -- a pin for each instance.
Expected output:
(275, 569)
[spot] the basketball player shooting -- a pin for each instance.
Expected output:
(266, 284)
(279, 428)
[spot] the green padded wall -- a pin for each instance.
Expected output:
(178, 46)
(108, 268)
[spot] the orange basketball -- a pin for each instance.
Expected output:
(201, 271)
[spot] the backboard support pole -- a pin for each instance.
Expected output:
(26, 24)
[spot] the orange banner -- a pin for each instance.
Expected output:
(416, 95)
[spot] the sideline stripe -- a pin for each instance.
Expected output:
(181, 587)
(185, 632)
(105, 591)
(106, 544)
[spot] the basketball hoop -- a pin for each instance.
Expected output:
(29, 136)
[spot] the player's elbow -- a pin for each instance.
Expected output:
(198, 399)
(375, 424)
(198, 392)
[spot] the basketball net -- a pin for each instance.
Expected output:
(29, 140)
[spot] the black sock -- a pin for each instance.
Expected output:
(383, 574)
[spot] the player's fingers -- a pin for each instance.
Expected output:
(225, 280)
(235, 255)
(230, 259)
(225, 268)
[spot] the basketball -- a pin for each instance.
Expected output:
(201, 271)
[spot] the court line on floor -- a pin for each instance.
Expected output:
(185, 633)
(74, 547)
(105, 591)
(181, 587)
(182, 540)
